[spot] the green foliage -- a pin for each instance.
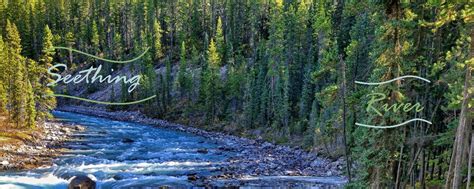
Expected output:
(95, 37)
(3, 78)
(30, 102)
(213, 57)
(277, 75)
(157, 40)
(220, 43)
(16, 72)
(211, 83)
(40, 79)
(22, 93)
(184, 80)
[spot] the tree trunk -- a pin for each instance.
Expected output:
(346, 148)
(461, 133)
(376, 179)
(399, 168)
(449, 174)
(422, 169)
(469, 163)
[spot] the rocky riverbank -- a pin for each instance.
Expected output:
(253, 157)
(36, 148)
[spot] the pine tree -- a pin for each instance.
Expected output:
(16, 13)
(95, 41)
(391, 56)
(117, 46)
(184, 81)
(457, 68)
(16, 83)
(220, 43)
(195, 57)
(301, 85)
(325, 76)
(211, 82)
(250, 104)
(262, 90)
(157, 40)
(3, 14)
(25, 29)
(70, 42)
(291, 58)
(149, 82)
(124, 94)
(233, 88)
(277, 70)
(30, 109)
(166, 82)
(44, 99)
(183, 30)
(3, 77)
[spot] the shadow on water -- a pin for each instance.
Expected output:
(121, 154)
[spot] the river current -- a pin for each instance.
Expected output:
(119, 154)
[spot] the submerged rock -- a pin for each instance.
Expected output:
(127, 140)
(192, 176)
(79, 128)
(121, 176)
(81, 182)
(225, 148)
(202, 151)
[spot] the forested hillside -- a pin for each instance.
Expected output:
(24, 96)
(281, 70)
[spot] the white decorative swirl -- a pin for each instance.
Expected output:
(392, 80)
(393, 126)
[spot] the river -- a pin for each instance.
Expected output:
(121, 154)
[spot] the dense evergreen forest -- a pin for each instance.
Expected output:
(281, 70)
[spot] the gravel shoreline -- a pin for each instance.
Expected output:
(254, 157)
(45, 145)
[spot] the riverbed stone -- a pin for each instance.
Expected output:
(127, 140)
(82, 182)
(203, 151)
(192, 177)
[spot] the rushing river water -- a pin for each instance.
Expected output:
(129, 155)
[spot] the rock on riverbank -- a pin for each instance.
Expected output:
(38, 148)
(253, 157)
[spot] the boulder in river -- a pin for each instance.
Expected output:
(79, 128)
(225, 148)
(127, 140)
(81, 182)
(202, 151)
(192, 177)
